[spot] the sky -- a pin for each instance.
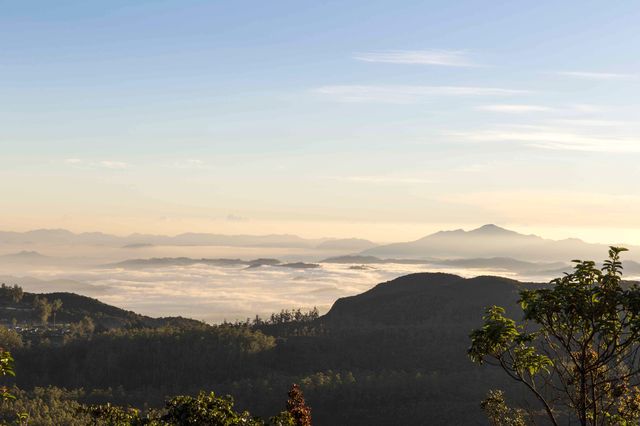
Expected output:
(385, 120)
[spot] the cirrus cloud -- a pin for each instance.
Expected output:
(554, 139)
(452, 58)
(407, 93)
(515, 109)
(590, 75)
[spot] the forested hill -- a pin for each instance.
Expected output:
(424, 297)
(75, 308)
(395, 354)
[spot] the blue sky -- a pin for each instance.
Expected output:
(379, 119)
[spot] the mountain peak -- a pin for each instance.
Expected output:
(491, 229)
(25, 254)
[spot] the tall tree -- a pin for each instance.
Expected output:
(297, 407)
(41, 309)
(16, 293)
(578, 349)
(56, 305)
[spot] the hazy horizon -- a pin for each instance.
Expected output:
(394, 233)
(190, 116)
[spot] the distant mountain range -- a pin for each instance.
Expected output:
(493, 241)
(488, 246)
(64, 237)
(25, 256)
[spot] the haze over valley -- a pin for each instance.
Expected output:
(216, 277)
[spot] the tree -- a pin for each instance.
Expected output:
(578, 349)
(6, 369)
(83, 328)
(297, 407)
(10, 339)
(499, 413)
(16, 293)
(12, 293)
(41, 309)
(113, 415)
(56, 305)
(206, 409)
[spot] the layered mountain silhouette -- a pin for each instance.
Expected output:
(24, 256)
(488, 247)
(63, 236)
(491, 241)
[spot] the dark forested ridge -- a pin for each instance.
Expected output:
(395, 354)
(76, 307)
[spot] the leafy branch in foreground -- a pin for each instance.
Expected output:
(577, 351)
(6, 369)
(203, 409)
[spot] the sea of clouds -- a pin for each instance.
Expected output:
(216, 293)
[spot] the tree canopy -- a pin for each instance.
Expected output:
(577, 350)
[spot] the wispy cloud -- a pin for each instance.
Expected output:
(554, 139)
(384, 179)
(236, 218)
(406, 93)
(592, 123)
(114, 164)
(107, 164)
(515, 109)
(595, 75)
(451, 58)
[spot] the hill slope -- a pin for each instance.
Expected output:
(75, 307)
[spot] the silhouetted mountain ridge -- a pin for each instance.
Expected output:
(422, 298)
(490, 241)
(138, 240)
(75, 307)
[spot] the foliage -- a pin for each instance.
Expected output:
(12, 294)
(287, 322)
(205, 409)
(114, 416)
(41, 309)
(282, 419)
(297, 407)
(6, 369)
(44, 407)
(83, 328)
(10, 339)
(499, 413)
(56, 306)
(580, 356)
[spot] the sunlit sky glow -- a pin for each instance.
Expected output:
(378, 119)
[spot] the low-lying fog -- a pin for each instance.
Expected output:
(234, 291)
(210, 292)
(216, 293)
